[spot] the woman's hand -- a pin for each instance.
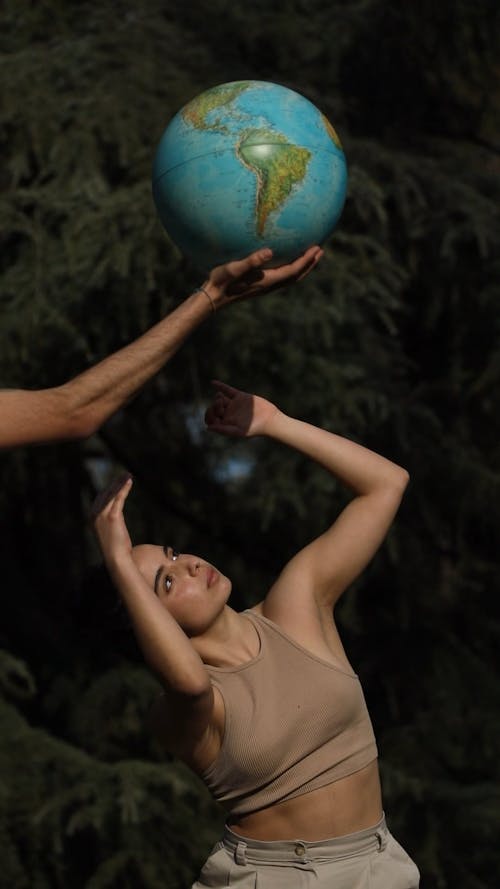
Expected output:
(247, 277)
(238, 414)
(109, 523)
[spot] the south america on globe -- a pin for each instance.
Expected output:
(245, 165)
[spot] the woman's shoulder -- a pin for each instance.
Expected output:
(256, 609)
(316, 633)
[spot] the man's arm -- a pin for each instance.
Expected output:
(78, 408)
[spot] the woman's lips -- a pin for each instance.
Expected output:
(212, 576)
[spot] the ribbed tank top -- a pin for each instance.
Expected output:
(293, 723)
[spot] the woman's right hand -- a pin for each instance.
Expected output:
(238, 414)
(109, 522)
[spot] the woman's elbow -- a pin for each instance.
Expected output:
(193, 688)
(403, 478)
(184, 681)
(394, 482)
(398, 484)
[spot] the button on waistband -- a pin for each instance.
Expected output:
(300, 849)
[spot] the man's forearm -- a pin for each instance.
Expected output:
(77, 408)
(98, 392)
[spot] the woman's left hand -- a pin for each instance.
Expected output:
(109, 522)
(238, 414)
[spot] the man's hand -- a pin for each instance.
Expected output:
(248, 277)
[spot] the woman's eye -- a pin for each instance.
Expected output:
(175, 555)
(168, 582)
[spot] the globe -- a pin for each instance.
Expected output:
(245, 165)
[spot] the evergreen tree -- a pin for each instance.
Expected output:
(394, 341)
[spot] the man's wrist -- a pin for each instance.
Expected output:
(204, 289)
(217, 297)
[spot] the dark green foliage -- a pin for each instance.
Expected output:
(70, 820)
(394, 341)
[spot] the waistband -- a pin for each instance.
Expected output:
(244, 849)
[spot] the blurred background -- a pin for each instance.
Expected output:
(393, 341)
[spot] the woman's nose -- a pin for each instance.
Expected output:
(193, 567)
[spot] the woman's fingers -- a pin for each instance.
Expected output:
(210, 415)
(105, 497)
(216, 410)
(230, 391)
(226, 429)
(118, 501)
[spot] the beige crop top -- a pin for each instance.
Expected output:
(293, 723)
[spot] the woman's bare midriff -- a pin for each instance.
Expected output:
(346, 806)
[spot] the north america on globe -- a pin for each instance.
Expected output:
(197, 111)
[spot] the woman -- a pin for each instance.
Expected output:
(264, 704)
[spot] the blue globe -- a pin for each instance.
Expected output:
(245, 165)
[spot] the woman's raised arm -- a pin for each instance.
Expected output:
(165, 646)
(320, 572)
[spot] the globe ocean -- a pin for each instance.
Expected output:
(245, 165)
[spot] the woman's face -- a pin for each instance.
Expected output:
(191, 589)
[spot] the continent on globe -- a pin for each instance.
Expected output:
(244, 165)
(278, 166)
(197, 111)
(331, 132)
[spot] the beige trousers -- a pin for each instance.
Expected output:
(368, 859)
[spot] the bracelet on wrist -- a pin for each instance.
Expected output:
(202, 290)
